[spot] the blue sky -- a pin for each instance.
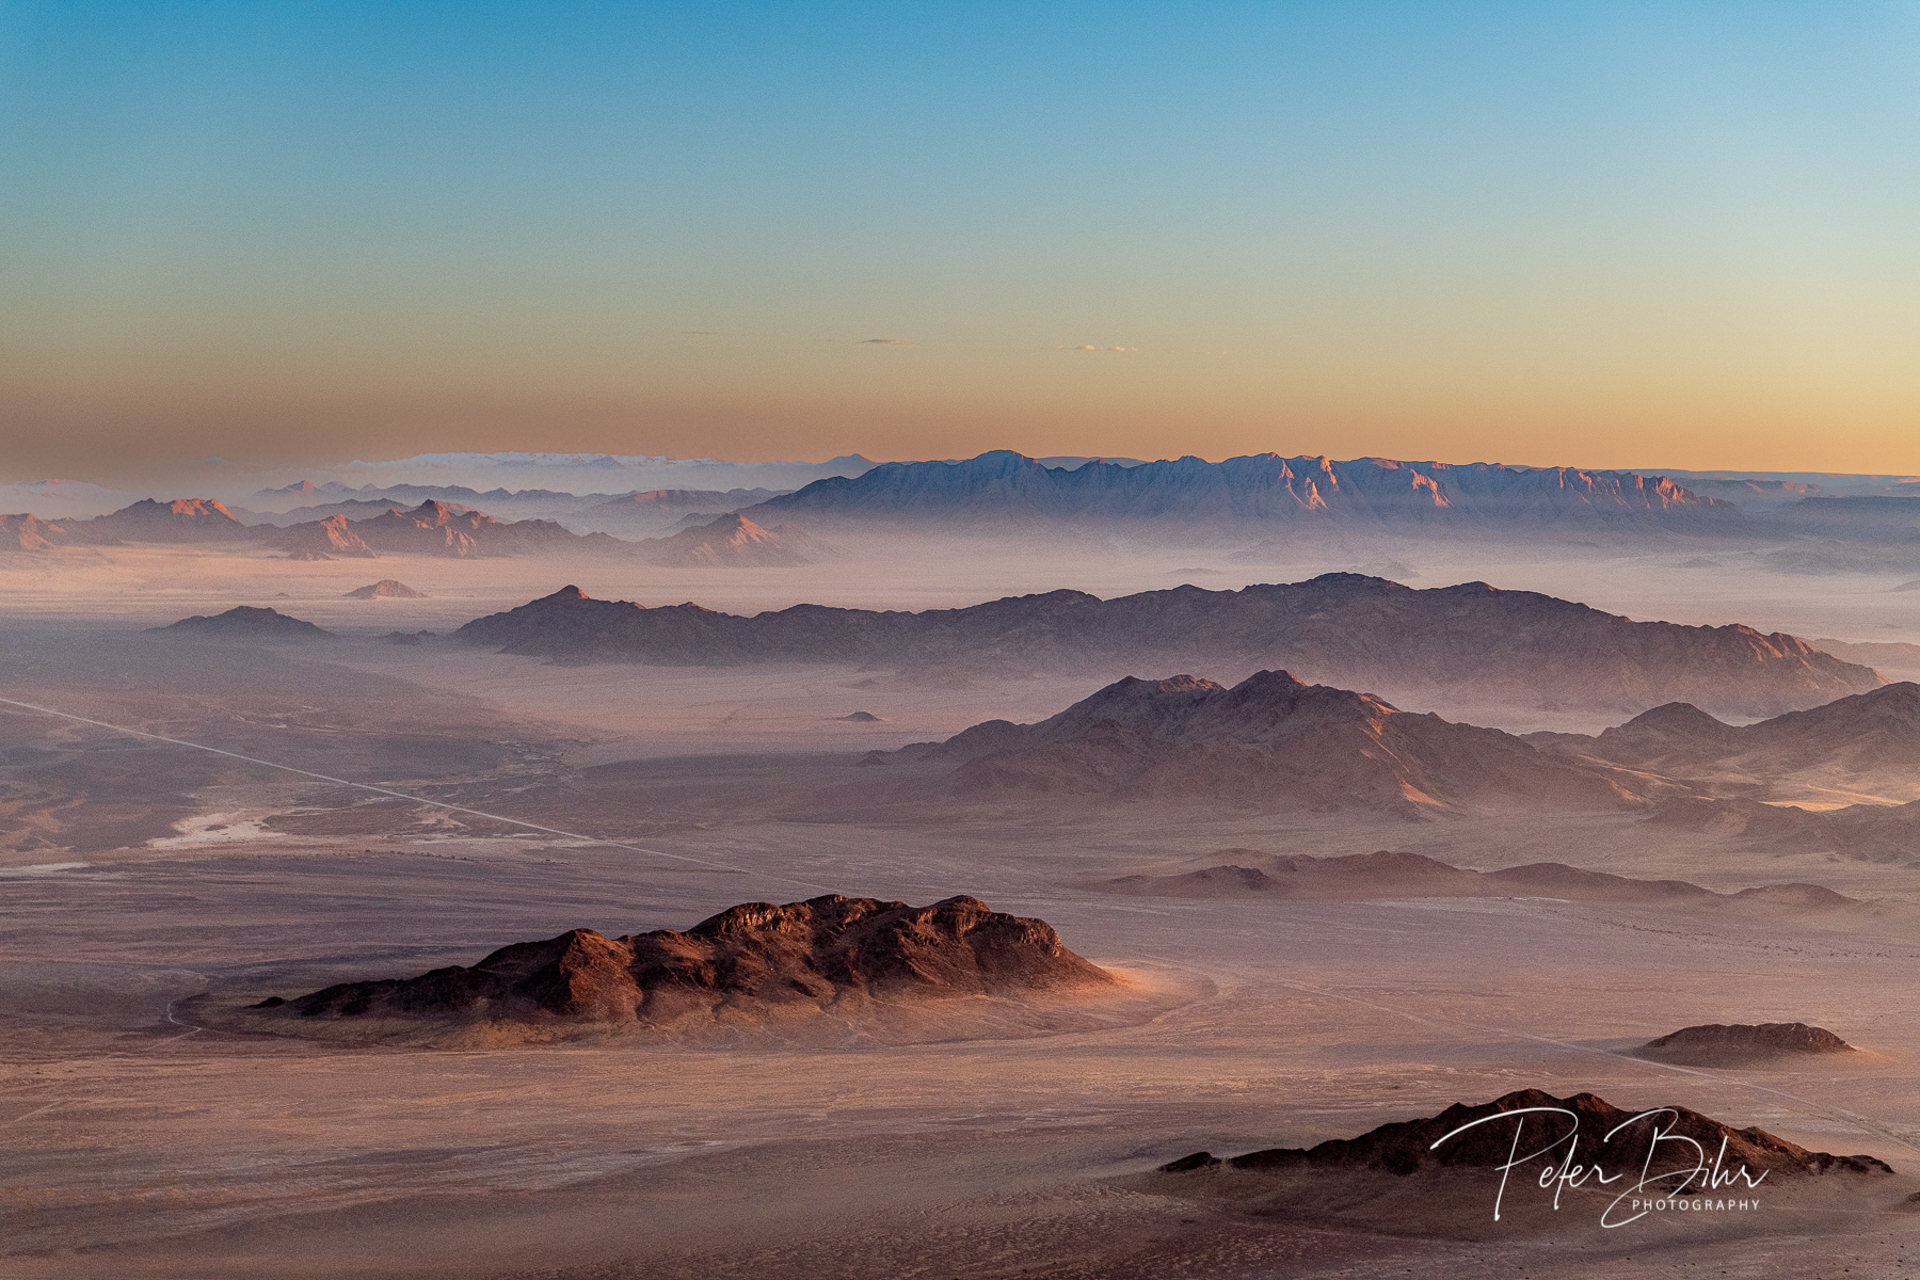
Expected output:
(1677, 234)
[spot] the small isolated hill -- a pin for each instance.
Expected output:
(1342, 629)
(385, 589)
(246, 622)
(1409, 1147)
(1741, 1044)
(1865, 747)
(1274, 739)
(749, 960)
(735, 542)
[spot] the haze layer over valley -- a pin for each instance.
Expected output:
(746, 883)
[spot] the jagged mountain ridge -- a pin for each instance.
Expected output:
(1272, 739)
(1344, 629)
(1002, 485)
(1397, 874)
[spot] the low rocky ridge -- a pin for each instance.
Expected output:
(246, 622)
(1274, 739)
(1742, 1044)
(1340, 628)
(1860, 832)
(1388, 874)
(756, 956)
(1406, 1148)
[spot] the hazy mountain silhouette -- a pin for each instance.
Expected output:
(1865, 745)
(1344, 629)
(733, 541)
(1388, 874)
(1272, 739)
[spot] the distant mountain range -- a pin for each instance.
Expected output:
(637, 514)
(1262, 495)
(1263, 488)
(1344, 629)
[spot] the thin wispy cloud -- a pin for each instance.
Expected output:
(1064, 347)
(885, 342)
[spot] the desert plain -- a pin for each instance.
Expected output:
(373, 809)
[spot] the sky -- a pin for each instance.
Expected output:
(1619, 235)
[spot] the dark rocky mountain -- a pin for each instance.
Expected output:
(1742, 1044)
(752, 957)
(733, 541)
(1407, 1147)
(1866, 746)
(1269, 739)
(1002, 486)
(1409, 875)
(1344, 629)
(248, 623)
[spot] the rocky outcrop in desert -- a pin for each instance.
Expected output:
(1407, 1147)
(752, 957)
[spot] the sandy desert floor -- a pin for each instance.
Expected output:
(137, 876)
